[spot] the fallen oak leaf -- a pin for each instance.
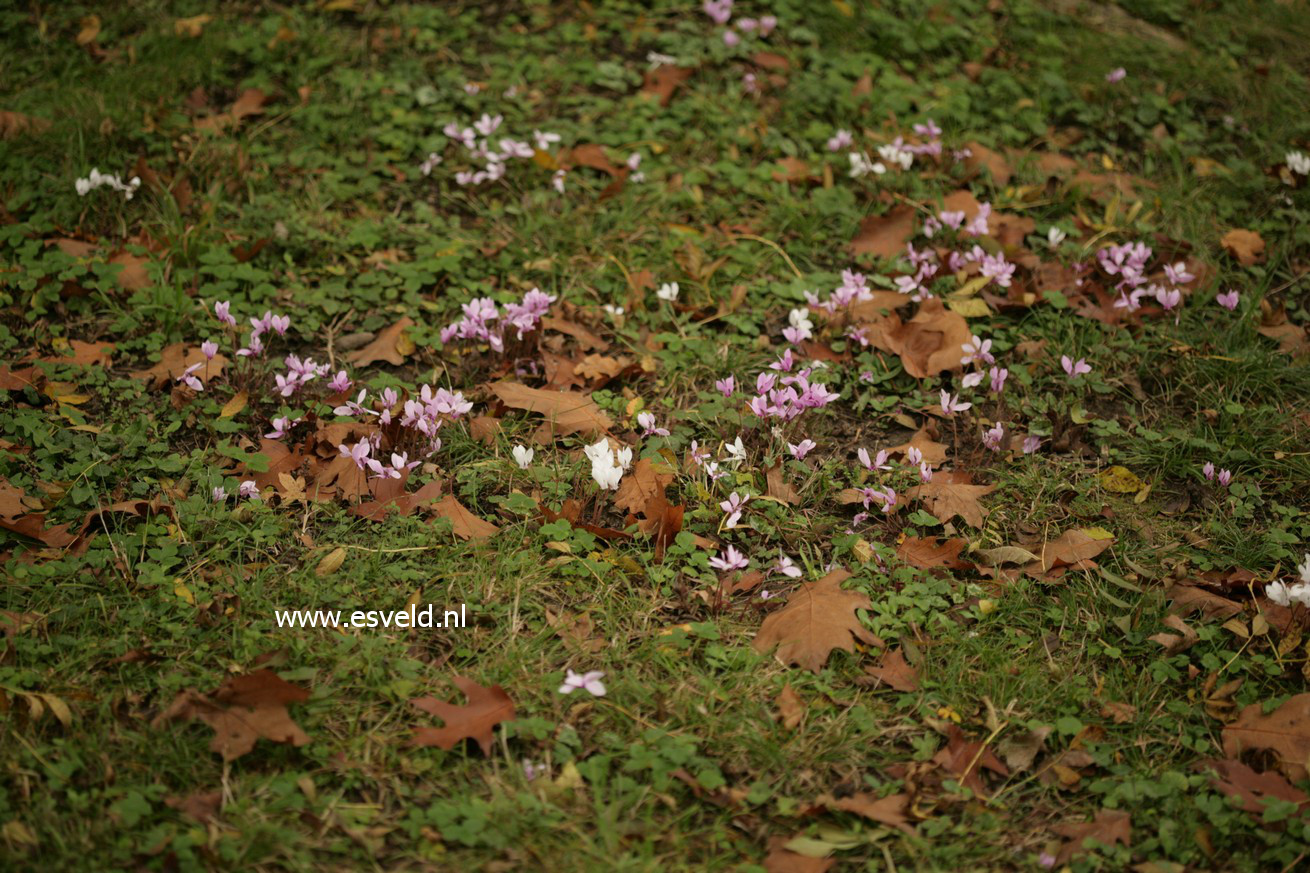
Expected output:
(1285, 732)
(566, 412)
(952, 493)
(927, 553)
(1075, 548)
(892, 810)
(174, 361)
(894, 671)
(392, 345)
(791, 708)
(818, 618)
(965, 759)
(1245, 245)
(1110, 827)
(884, 235)
(662, 81)
(642, 489)
(1253, 789)
(463, 523)
(475, 720)
(244, 710)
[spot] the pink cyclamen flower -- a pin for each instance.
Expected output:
(646, 420)
(248, 489)
(1228, 300)
(718, 10)
(209, 348)
(1208, 470)
(1224, 477)
(729, 559)
(1168, 297)
(971, 380)
(222, 311)
(734, 506)
(840, 141)
(877, 463)
(731, 39)
(951, 404)
(999, 375)
(1073, 368)
(588, 682)
(190, 379)
(726, 386)
(767, 24)
(886, 496)
(1031, 443)
(801, 449)
(280, 428)
(925, 472)
(787, 567)
(340, 383)
(992, 438)
(358, 453)
(219, 494)
(1118, 74)
(977, 350)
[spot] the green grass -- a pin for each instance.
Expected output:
(686, 763)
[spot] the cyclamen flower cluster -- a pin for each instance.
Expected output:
(480, 312)
(1128, 261)
(608, 465)
(955, 220)
(477, 142)
(897, 153)
(97, 179)
(1224, 477)
(786, 397)
(423, 415)
(720, 12)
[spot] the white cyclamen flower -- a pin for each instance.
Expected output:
(523, 456)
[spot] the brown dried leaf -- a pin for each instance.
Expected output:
(244, 710)
(1245, 245)
(817, 618)
(475, 720)
(927, 553)
(965, 759)
(1110, 827)
(174, 360)
(895, 671)
(790, 707)
(892, 810)
(642, 490)
(392, 345)
(464, 524)
(1074, 548)
(1235, 779)
(566, 411)
(885, 235)
(950, 494)
(1285, 731)
(662, 81)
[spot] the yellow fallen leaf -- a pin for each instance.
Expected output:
(235, 405)
(331, 562)
(1120, 480)
(180, 589)
(90, 30)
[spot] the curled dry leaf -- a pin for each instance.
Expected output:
(927, 553)
(1253, 789)
(818, 618)
(475, 720)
